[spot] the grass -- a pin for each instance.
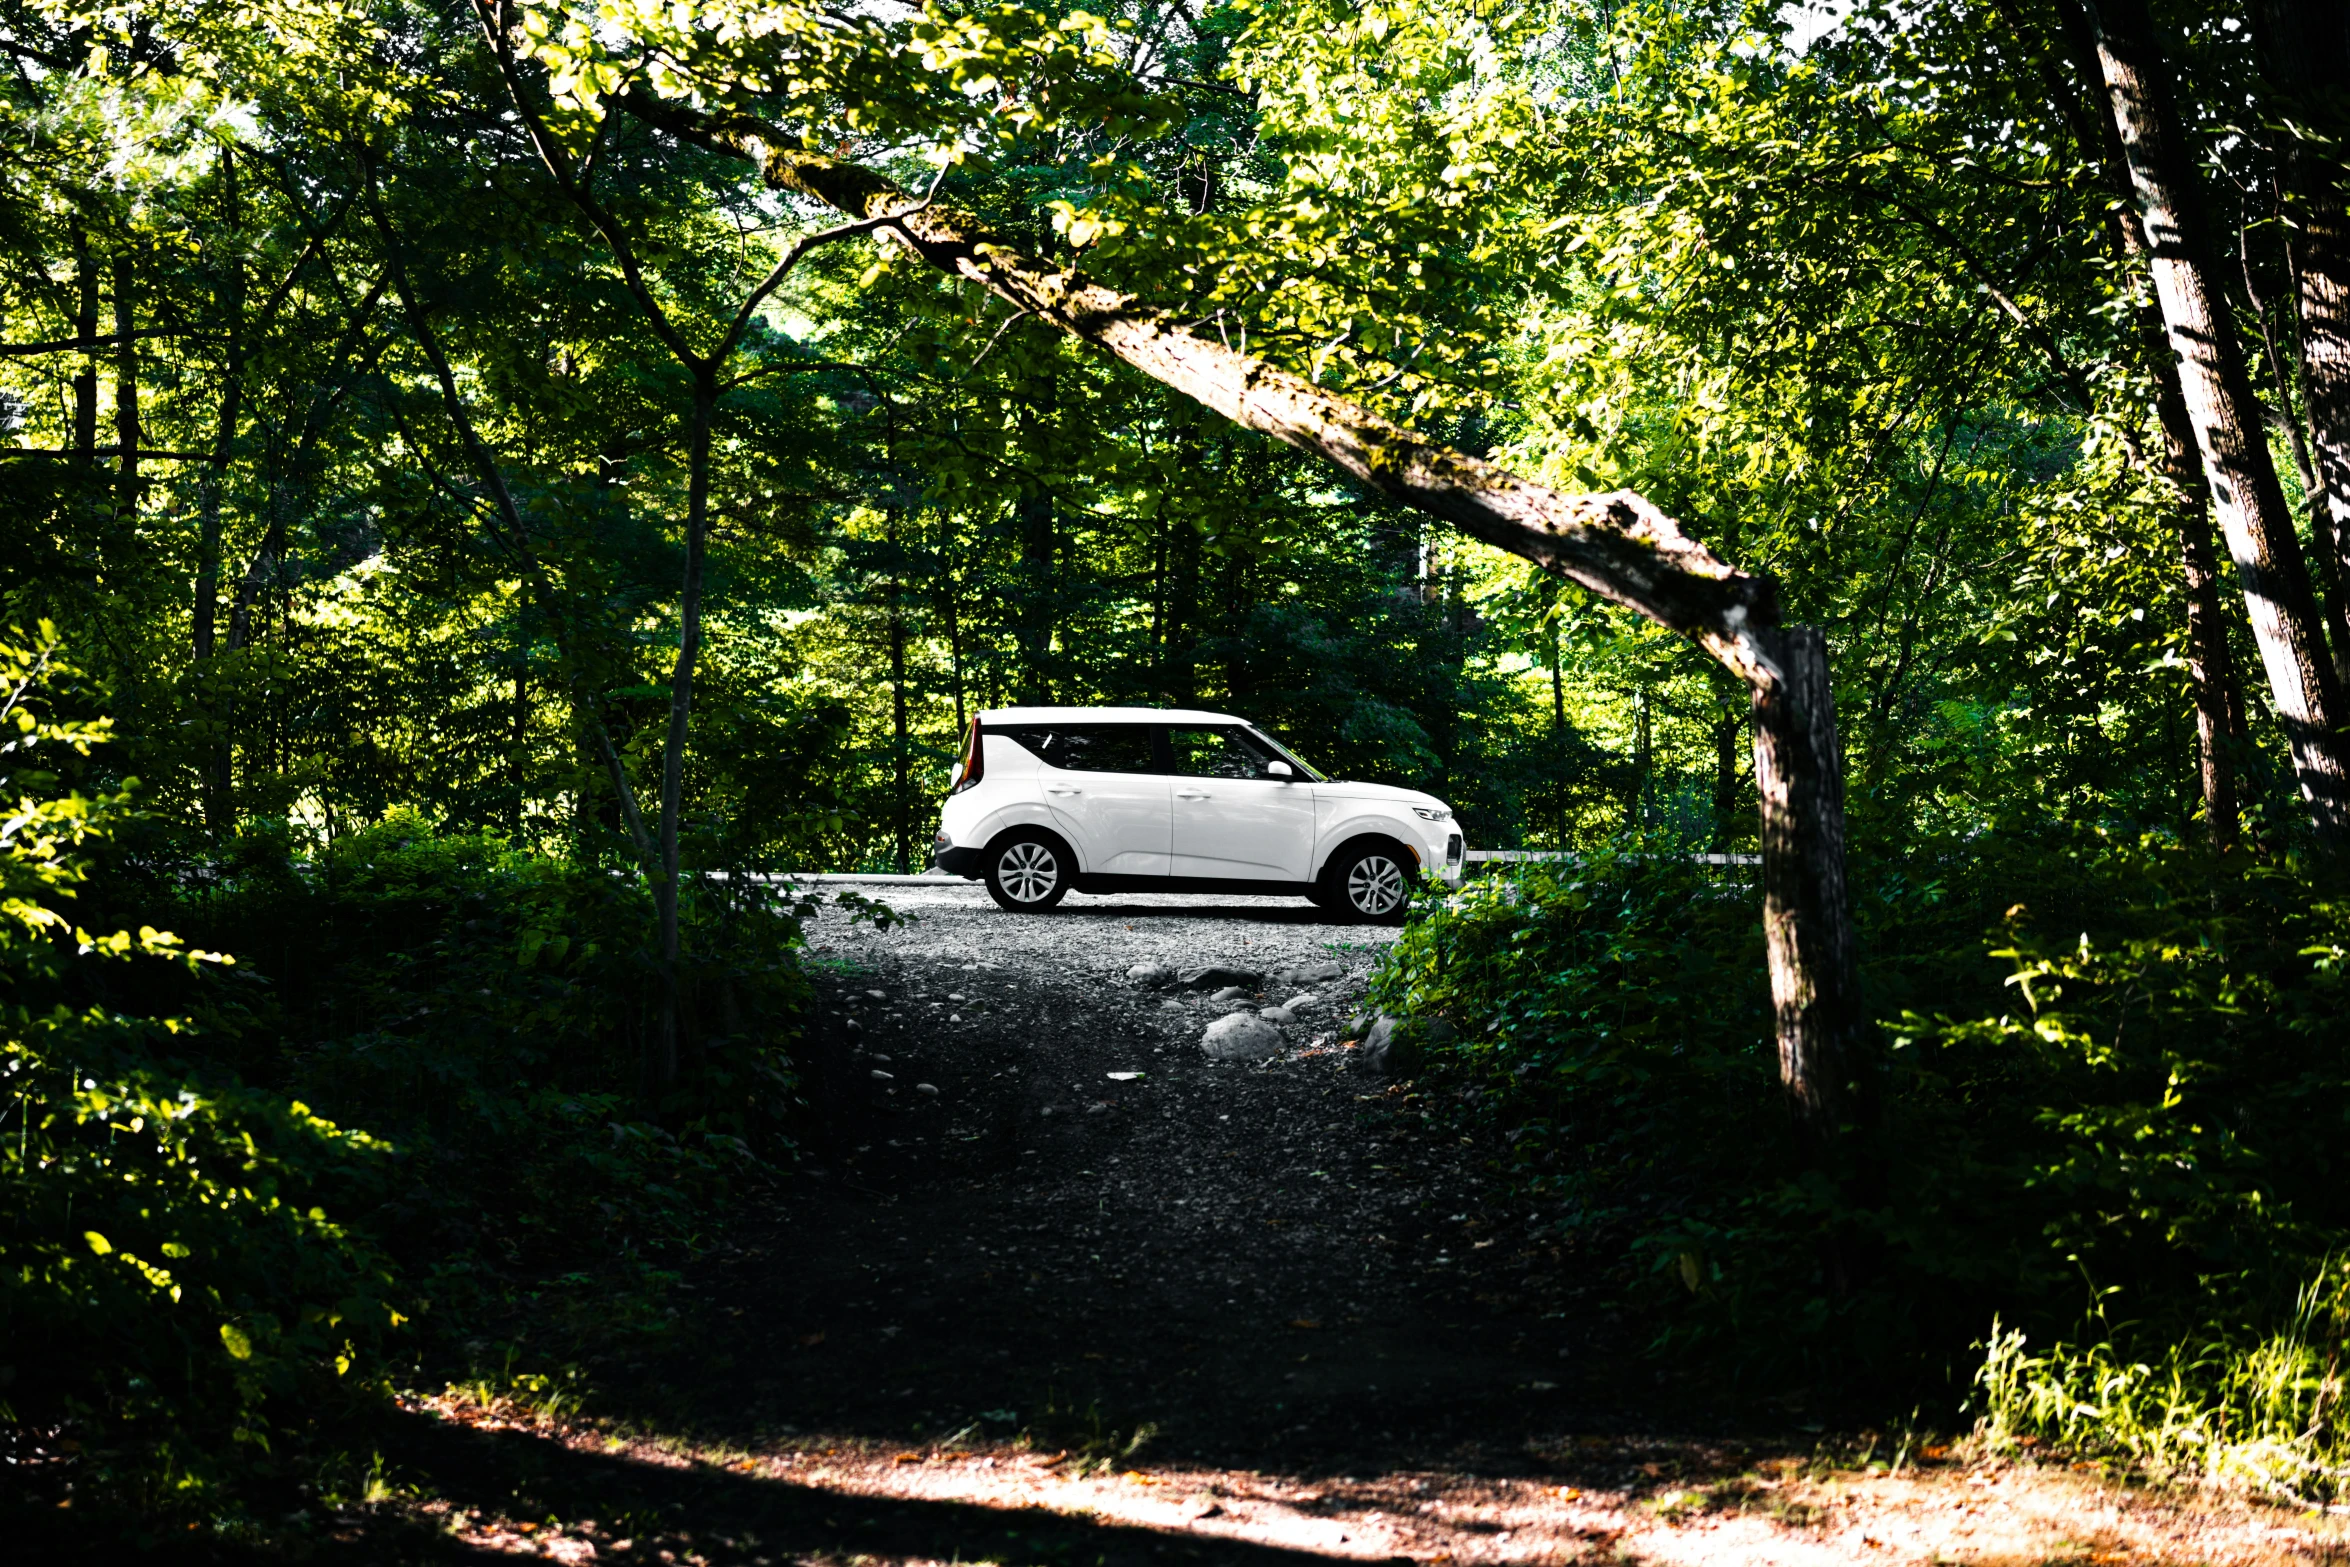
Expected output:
(2259, 1414)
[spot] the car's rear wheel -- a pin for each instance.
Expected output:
(1029, 871)
(1372, 883)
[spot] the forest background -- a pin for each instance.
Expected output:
(453, 506)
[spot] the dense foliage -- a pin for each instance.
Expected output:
(2135, 1119)
(202, 1252)
(494, 520)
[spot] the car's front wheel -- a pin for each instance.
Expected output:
(1028, 871)
(1373, 883)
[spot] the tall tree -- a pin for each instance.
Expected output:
(2230, 431)
(2305, 53)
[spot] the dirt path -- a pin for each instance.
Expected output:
(1091, 1229)
(1056, 1288)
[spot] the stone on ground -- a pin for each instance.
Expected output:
(1241, 1036)
(1219, 976)
(1151, 975)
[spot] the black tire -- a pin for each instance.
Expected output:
(1029, 870)
(1372, 883)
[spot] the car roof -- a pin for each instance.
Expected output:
(1000, 716)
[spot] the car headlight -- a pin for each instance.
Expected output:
(1432, 813)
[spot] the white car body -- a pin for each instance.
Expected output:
(1170, 828)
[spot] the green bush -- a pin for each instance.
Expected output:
(487, 1011)
(170, 1282)
(412, 1101)
(2145, 1114)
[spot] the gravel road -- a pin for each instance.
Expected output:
(1033, 1204)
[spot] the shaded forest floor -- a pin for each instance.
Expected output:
(1018, 1309)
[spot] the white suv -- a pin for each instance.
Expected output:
(1137, 799)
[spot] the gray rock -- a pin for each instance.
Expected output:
(927, 1088)
(1170, 1006)
(1240, 1036)
(879, 1076)
(1151, 976)
(1277, 1014)
(1216, 978)
(1230, 993)
(1310, 974)
(1303, 999)
(1396, 1046)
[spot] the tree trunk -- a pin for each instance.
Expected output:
(126, 392)
(898, 802)
(85, 332)
(661, 1066)
(1725, 779)
(1643, 759)
(1807, 921)
(1619, 546)
(2305, 53)
(518, 766)
(230, 301)
(2211, 662)
(1558, 736)
(2229, 430)
(950, 591)
(1182, 677)
(1032, 514)
(217, 781)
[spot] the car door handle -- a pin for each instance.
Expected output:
(1193, 794)
(1061, 789)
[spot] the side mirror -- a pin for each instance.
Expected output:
(1278, 770)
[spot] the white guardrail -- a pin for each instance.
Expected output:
(1522, 856)
(1473, 857)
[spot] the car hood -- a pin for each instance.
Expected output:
(1348, 789)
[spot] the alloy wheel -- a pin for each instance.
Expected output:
(1028, 871)
(1375, 886)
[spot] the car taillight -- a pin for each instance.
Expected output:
(974, 761)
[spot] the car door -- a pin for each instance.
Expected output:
(1231, 818)
(1108, 793)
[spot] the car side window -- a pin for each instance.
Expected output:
(1215, 753)
(1100, 748)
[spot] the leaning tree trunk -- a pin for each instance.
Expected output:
(2211, 663)
(1618, 546)
(2229, 429)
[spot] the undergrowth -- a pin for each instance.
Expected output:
(2115, 1119)
(391, 1130)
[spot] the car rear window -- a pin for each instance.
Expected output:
(1086, 748)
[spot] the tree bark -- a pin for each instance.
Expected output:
(229, 298)
(900, 834)
(1032, 514)
(1807, 924)
(1618, 546)
(2230, 432)
(1725, 779)
(217, 783)
(662, 1068)
(126, 392)
(1558, 734)
(2305, 54)
(2211, 663)
(85, 332)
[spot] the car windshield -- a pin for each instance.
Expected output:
(1289, 756)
